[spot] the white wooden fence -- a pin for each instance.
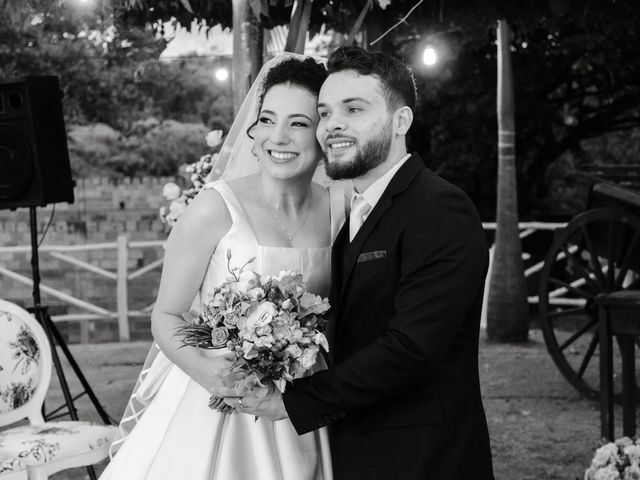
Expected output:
(122, 276)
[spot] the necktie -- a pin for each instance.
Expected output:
(359, 211)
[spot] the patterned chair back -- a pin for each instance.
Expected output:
(25, 365)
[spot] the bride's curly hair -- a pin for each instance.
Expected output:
(308, 74)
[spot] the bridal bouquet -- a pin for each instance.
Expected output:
(619, 460)
(273, 325)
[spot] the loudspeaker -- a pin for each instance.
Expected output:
(34, 159)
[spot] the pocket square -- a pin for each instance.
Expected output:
(368, 256)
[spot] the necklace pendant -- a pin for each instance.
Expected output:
(277, 219)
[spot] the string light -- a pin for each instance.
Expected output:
(429, 56)
(222, 74)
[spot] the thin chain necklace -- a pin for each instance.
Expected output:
(287, 233)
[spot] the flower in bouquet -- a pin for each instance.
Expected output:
(619, 460)
(272, 324)
(196, 174)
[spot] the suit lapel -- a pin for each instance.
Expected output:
(337, 261)
(399, 183)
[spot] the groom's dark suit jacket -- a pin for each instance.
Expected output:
(402, 394)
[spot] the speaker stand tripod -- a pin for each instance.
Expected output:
(55, 338)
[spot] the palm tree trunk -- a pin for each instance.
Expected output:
(507, 309)
(248, 43)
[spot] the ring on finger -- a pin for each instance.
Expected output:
(240, 403)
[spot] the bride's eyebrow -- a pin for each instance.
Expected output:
(293, 115)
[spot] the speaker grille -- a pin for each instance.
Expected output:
(16, 164)
(34, 160)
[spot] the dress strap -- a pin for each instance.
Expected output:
(236, 210)
(338, 210)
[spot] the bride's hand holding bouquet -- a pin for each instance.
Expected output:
(272, 327)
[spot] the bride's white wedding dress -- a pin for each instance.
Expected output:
(179, 436)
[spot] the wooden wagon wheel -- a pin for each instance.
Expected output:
(598, 252)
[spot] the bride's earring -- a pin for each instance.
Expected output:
(253, 152)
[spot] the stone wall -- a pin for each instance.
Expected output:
(104, 209)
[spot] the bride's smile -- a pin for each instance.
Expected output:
(282, 157)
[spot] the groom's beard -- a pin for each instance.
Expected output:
(368, 156)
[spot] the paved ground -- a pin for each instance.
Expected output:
(541, 429)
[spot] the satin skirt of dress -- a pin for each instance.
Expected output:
(180, 437)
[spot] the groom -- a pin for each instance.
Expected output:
(402, 394)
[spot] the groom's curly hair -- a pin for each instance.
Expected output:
(398, 82)
(307, 74)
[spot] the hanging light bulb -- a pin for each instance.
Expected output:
(429, 56)
(222, 74)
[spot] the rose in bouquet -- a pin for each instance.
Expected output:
(272, 325)
(619, 460)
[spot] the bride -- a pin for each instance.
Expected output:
(284, 220)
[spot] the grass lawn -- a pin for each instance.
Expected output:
(541, 429)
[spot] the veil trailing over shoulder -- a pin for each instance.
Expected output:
(235, 160)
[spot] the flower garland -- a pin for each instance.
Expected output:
(197, 172)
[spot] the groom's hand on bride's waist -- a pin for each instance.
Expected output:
(270, 407)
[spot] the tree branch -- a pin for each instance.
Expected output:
(397, 23)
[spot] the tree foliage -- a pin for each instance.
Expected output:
(332, 14)
(111, 75)
(576, 77)
(109, 72)
(576, 68)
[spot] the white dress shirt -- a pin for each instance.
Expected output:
(376, 189)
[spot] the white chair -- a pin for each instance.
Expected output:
(12, 469)
(25, 372)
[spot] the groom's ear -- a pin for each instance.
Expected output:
(402, 120)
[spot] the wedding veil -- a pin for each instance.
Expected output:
(234, 160)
